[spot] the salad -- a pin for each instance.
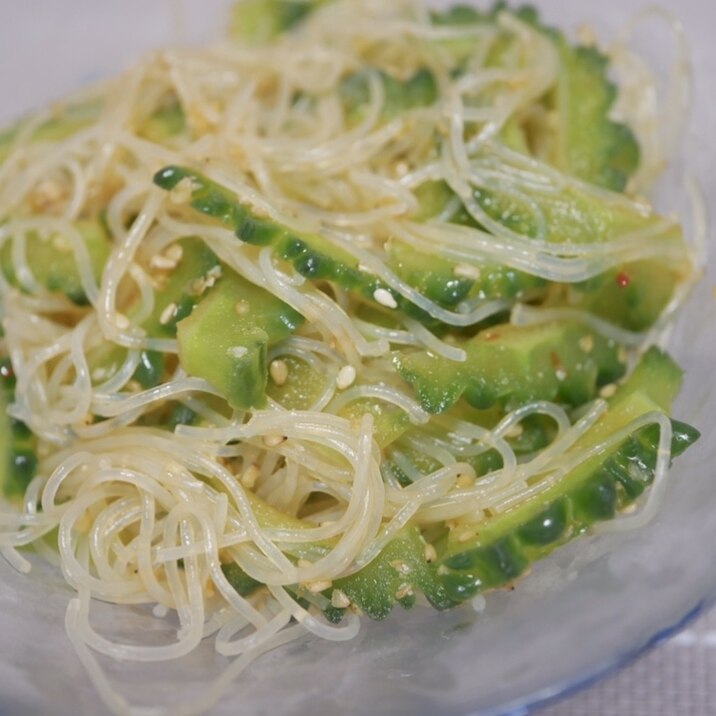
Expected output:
(358, 308)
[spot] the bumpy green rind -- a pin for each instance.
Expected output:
(316, 259)
(502, 547)
(489, 562)
(394, 576)
(591, 146)
(562, 361)
(18, 458)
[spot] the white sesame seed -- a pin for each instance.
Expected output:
(121, 321)
(168, 313)
(561, 374)
(61, 243)
(586, 35)
(250, 476)
(401, 567)
(586, 343)
(479, 603)
(305, 563)
(181, 193)
(319, 586)
(279, 372)
(175, 252)
(467, 536)
(242, 308)
(160, 611)
(515, 431)
(608, 391)
(339, 599)
(346, 377)
(210, 280)
(404, 590)
(464, 481)
(272, 441)
(430, 553)
(385, 298)
(99, 374)
(401, 169)
(162, 263)
(237, 351)
(467, 271)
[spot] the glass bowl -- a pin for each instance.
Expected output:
(591, 606)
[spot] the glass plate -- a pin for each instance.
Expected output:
(590, 606)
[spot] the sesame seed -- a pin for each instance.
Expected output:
(479, 603)
(622, 355)
(319, 586)
(279, 372)
(250, 476)
(272, 441)
(561, 374)
(168, 313)
(467, 536)
(346, 377)
(121, 321)
(339, 599)
(162, 263)
(212, 276)
(304, 563)
(586, 35)
(608, 391)
(430, 553)
(175, 253)
(515, 431)
(237, 351)
(400, 566)
(586, 343)
(242, 308)
(61, 243)
(404, 590)
(99, 374)
(464, 481)
(401, 169)
(467, 271)
(182, 192)
(160, 611)
(385, 298)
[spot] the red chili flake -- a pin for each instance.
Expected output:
(622, 279)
